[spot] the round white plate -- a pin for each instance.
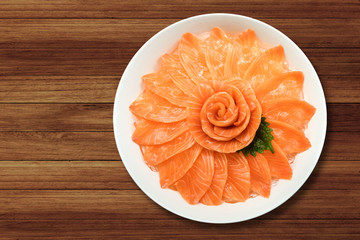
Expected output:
(146, 60)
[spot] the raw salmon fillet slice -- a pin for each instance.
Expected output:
(154, 133)
(156, 154)
(192, 56)
(278, 163)
(215, 55)
(260, 177)
(291, 140)
(241, 54)
(288, 84)
(152, 107)
(237, 185)
(195, 183)
(213, 196)
(292, 111)
(162, 85)
(172, 65)
(177, 166)
(269, 64)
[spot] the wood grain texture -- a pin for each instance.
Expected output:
(55, 89)
(61, 176)
(110, 62)
(114, 33)
(159, 9)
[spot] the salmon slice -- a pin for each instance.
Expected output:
(152, 107)
(216, 54)
(255, 112)
(177, 166)
(269, 64)
(196, 118)
(291, 140)
(213, 196)
(260, 177)
(162, 85)
(278, 163)
(292, 111)
(237, 186)
(156, 154)
(288, 84)
(154, 133)
(241, 54)
(195, 183)
(173, 66)
(192, 56)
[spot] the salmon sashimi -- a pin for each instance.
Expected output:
(177, 166)
(288, 84)
(269, 64)
(192, 55)
(237, 186)
(203, 107)
(292, 111)
(162, 85)
(216, 55)
(196, 182)
(152, 107)
(242, 53)
(154, 133)
(213, 196)
(278, 163)
(156, 154)
(225, 124)
(172, 65)
(212, 96)
(260, 177)
(290, 139)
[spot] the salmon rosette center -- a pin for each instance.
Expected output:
(201, 117)
(223, 116)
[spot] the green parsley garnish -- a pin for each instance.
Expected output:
(261, 141)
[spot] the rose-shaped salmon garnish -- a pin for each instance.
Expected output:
(222, 116)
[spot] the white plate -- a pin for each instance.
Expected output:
(146, 61)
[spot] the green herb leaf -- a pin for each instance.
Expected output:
(261, 141)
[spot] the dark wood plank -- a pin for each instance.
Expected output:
(112, 62)
(58, 146)
(111, 175)
(343, 117)
(102, 89)
(56, 117)
(114, 33)
(174, 228)
(112, 214)
(58, 89)
(160, 9)
(114, 235)
(98, 117)
(33, 146)
(129, 205)
(341, 89)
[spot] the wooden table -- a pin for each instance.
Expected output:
(60, 173)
